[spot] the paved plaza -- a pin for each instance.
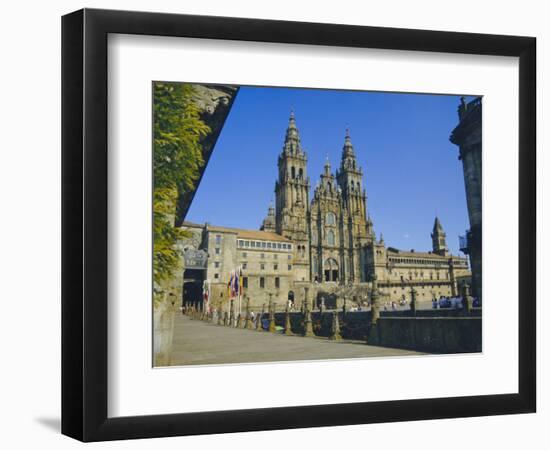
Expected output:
(197, 342)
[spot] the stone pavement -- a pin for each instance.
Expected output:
(197, 342)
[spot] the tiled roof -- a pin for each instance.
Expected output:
(250, 234)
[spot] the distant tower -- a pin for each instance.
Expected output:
(292, 199)
(439, 243)
(292, 186)
(350, 180)
(269, 222)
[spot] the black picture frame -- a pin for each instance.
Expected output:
(84, 224)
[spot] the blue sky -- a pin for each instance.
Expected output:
(411, 169)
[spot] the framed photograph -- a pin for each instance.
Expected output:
(273, 225)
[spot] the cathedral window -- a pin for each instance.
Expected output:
(301, 173)
(331, 218)
(293, 172)
(330, 238)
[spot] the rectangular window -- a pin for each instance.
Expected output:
(275, 267)
(269, 245)
(245, 282)
(216, 275)
(264, 245)
(262, 255)
(277, 282)
(262, 282)
(245, 265)
(253, 244)
(262, 266)
(289, 267)
(247, 243)
(218, 239)
(279, 246)
(244, 254)
(240, 243)
(217, 264)
(217, 251)
(289, 246)
(289, 257)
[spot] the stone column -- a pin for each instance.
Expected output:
(372, 334)
(232, 313)
(288, 326)
(335, 328)
(163, 321)
(272, 327)
(413, 301)
(308, 326)
(248, 322)
(467, 300)
(240, 321)
(259, 319)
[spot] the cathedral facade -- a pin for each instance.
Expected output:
(326, 243)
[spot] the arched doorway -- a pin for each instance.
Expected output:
(331, 270)
(192, 287)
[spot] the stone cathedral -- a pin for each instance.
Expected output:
(326, 242)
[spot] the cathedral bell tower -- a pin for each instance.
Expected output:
(292, 187)
(292, 199)
(439, 243)
(350, 180)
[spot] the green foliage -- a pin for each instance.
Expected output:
(177, 160)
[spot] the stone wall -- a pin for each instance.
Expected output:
(428, 334)
(437, 331)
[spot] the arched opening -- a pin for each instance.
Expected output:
(291, 296)
(331, 270)
(293, 172)
(301, 173)
(330, 237)
(192, 287)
